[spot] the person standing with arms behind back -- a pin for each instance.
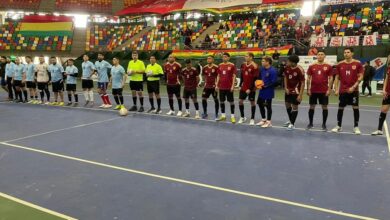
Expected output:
(3, 82)
(31, 81)
(86, 80)
(136, 71)
(117, 82)
(71, 73)
(57, 77)
(348, 76)
(172, 70)
(369, 73)
(154, 72)
(9, 72)
(102, 69)
(43, 79)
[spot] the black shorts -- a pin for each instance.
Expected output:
(292, 99)
(31, 85)
(137, 86)
(153, 86)
(18, 83)
(117, 91)
(43, 86)
(71, 87)
(173, 90)
(190, 94)
(319, 98)
(58, 86)
(349, 99)
(103, 85)
(226, 95)
(209, 91)
(251, 96)
(87, 83)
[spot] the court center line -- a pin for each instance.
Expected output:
(28, 204)
(387, 135)
(188, 182)
(62, 129)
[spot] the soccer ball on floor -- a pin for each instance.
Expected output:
(123, 112)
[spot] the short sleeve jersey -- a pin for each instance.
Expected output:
(294, 78)
(102, 68)
(190, 78)
(249, 73)
(71, 70)
(320, 74)
(117, 73)
(138, 66)
(173, 71)
(348, 74)
(225, 73)
(210, 74)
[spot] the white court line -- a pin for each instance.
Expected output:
(192, 183)
(387, 135)
(62, 129)
(28, 204)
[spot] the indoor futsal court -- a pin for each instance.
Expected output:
(84, 163)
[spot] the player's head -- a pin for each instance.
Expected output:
(266, 61)
(28, 59)
(70, 62)
(321, 56)
(226, 57)
(115, 61)
(134, 55)
(249, 57)
(3, 59)
(41, 59)
(100, 57)
(53, 60)
(152, 59)
(210, 59)
(17, 60)
(171, 58)
(85, 57)
(188, 63)
(292, 60)
(348, 53)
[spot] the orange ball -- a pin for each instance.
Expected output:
(259, 83)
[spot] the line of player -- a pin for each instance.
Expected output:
(219, 82)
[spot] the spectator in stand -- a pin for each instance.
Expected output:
(162, 28)
(307, 29)
(220, 27)
(369, 73)
(299, 32)
(312, 51)
(207, 39)
(276, 55)
(259, 25)
(255, 36)
(170, 27)
(187, 42)
(227, 27)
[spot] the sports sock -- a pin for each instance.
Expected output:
(241, 107)
(382, 118)
(204, 105)
(324, 116)
(356, 116)
(340, 113)
(311, 116)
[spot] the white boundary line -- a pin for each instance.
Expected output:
(28, 204)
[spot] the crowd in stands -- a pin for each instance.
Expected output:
(20, 4)
(99, 6)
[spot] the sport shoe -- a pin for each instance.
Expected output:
(61, 104)
(233, 119)
(171, 112)
(141, 109)
(324, 128)
(186, 115)
(40, 102)
(356, 130)
(133, 109)
(252, 122)
(30, 102)
(290, 127)
(204, 116)
(337, 129)
(242, 120)
(309, 127)
(179, 114)
(54, 103)
(286, 124)
(117, 107)
(108, 106)
(158, 111)
(69, 104)
(261, 123)
(267, 124)
(222, 118)
(102, 106)
(377, 133)
(47, 103)
(152, 110)
(197, 115)
(86, 103)
(91, 104)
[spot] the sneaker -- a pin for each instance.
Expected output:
(179, 114)
(122, 106)
(61, 104)
(34, 102)
(54, 103)
(290, 127)
(309, 127)
(216, 116)
(30, 102)
(39, 102)
(204, 116)
(133, 109)
(369, 96)
(47, 103)
(86, 103)
(337, 129)
(356, 130)
(286, 124)
(69, 104)
(25, 101)
(242, 120)
(117, 107)
(197, 115)
(377, 133)
(141, 109)
(186, 115)
(102, 106)
(324, 128)
(267, 124)
(171, 112)
(233, 119)
(222, 118)
(108, 106)
(158, 111)
(152, 110)
(261, 123)
(252, 122)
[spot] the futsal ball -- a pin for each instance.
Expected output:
(123, 112)
(259, 84)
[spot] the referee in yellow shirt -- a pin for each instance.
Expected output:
(136, 71)
(154, 71)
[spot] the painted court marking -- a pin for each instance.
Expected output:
(188, 182)
(387, 135)
(25, 203)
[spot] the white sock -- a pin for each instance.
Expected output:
(86, 96)
(91, 95)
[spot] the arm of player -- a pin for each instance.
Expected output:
(385, 87)
(233, 82)
(217, 83)
(124, 80)
(285, 84)
(330, 85)
(308, 85)
(336, 85)
(301, 89)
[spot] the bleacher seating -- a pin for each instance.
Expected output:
(10, 39)
(168, 40)
(109, 36)
(100, 6)
(20, 4)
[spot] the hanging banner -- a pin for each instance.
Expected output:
(379, 64)
(350, 41)
(336, 41)
(319, 41)
(369, 40)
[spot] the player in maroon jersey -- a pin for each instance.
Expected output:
(227, 72)
(348, 76)
(191, 80)
(210, 76)
(172, 70)
(294, 81)
(319, 83)
(385, 104)
(249, 73)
